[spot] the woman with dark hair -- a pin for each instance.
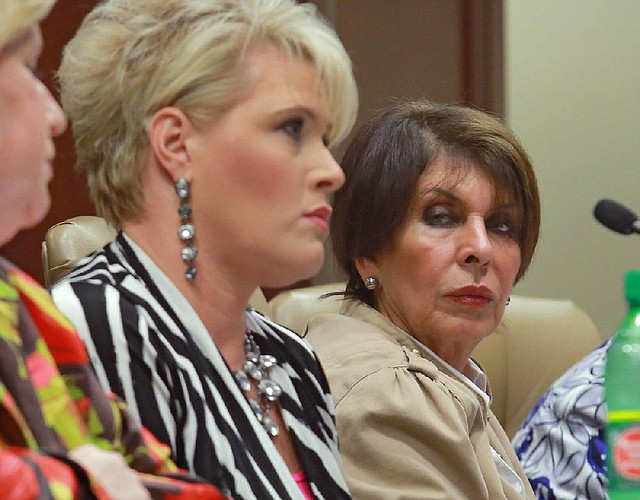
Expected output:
(438, 219)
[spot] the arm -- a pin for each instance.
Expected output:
(403, 435)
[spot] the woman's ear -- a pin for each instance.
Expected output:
(366, 267)
(167, 133)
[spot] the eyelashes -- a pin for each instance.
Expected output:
(440, 217)
(443, 217)
(503, 227)
(293, 128)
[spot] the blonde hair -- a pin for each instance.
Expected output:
(131, 58)
(18, 15)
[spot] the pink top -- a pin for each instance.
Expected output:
(301, 479)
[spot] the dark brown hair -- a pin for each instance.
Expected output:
(386, 158)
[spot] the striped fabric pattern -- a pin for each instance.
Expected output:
(149, 346)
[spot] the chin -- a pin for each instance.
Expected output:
(469, 329)
(293, 271)
(38, 213)
(311, 267)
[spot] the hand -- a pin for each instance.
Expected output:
(113, 474)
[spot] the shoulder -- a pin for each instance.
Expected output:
(361, 359)
(106, 271)
(100, 288)
(280, 335)
(338, 338)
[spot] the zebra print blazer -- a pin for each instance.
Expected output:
(149, 346)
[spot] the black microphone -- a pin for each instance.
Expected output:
(616, 217)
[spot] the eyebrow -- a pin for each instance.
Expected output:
(436, 191)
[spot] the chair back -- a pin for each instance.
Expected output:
(66, 242)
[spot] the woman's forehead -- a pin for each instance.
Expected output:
(448, 174)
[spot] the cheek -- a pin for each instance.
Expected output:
(430, 256)
(419, 261)
(267, 175)
(508, 263)
(278, 187)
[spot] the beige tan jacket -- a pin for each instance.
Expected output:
(409, 426)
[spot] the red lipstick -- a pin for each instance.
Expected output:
(473, 296)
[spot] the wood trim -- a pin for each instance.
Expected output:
(482, 58)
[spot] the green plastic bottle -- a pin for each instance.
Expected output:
(622, 396)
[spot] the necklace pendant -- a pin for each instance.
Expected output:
(270, 426)
(254, 357)
(270, 390)
(243, 380)
(256, 368)
(267, 361)
(253, 371)
(257, 410)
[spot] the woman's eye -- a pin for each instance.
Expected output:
(293, 128)
(439, 217)
(502, 227)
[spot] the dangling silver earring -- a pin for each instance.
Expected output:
(508, 300)
(187, 230)
(371, 283)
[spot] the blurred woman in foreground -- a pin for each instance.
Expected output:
(60, 435)
(438, 219)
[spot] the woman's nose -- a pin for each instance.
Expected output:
(330, 175)
(476, 246)
(54, 115)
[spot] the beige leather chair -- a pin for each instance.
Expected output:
(538, 340)
(69, 241)
(66, 242)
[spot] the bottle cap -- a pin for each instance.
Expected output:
(632, 285)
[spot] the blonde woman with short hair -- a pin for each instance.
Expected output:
(205, 130)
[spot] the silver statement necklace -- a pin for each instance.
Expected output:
(256, 368)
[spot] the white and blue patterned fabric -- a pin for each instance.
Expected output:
(561, 443)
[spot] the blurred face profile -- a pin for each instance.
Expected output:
(263, 173)
(29, 119)
(449, 272)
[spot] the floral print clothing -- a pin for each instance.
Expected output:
(561, 443)
(51, 402)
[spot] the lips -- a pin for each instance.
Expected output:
(476, 296)
(321, 216)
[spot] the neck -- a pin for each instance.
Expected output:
(218, 294)
(218, 298)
